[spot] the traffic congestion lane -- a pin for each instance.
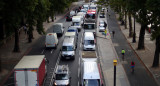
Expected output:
(74, 64)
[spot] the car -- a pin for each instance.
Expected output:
(69, 18)
(102, 15)
(62, 76)
(101, 29)
(101, 23)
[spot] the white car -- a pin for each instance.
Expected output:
(101, 29)
(101, 23)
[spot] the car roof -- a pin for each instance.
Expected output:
(91, 70)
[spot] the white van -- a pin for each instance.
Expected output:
(58, 28)
(86, 6)
(51, 40)
(82, 15)
(77, 22)
(89, 41)
(68, 48)
(90, 74)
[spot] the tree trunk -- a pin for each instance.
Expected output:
(125, 22)
(16, 45)
(141, 37)
(130, 25)
(2, 30)
(157, 51)
(30, 34)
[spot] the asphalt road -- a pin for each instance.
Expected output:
(141, 76)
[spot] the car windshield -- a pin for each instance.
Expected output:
(90, 16)
(61, 77)
(88, 26)
(92, 82)
(89, 42)
(92, 8)
(101, 22)
(67, 48)
(101, 27)
(76, 24)
(71, 30)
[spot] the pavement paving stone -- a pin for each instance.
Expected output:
(107, 55)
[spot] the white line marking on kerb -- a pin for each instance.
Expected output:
(52, 51)
(78, 72)
(42, 52)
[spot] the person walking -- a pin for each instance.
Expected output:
(123, 52)
(113, 32)
(25, 29)
(105, 32)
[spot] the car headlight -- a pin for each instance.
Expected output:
(55, 83)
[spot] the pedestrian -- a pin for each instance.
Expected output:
(105, 32)
(105, 24)
(113, 32)
(25, 29)
(123, 52)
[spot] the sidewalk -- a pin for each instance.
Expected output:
(107, 54)
(146, 56)
(10, 59)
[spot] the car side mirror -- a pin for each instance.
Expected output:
(63, 27)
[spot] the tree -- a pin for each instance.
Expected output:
(153, 7)
(142, 19)
(12, 18)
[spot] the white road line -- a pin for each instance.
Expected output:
(78, 83)
(78, 72)
(79, 62)
(52, 51)
(80, 45)
(42, 51)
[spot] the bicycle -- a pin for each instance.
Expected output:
(123, 52)
(123, 56)
(132, 67)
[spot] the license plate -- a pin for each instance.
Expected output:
(67, 57)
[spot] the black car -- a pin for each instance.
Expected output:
(69, 18)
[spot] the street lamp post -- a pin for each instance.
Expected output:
(114, 63)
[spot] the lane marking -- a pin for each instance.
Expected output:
(52, 51)
(78, 71)
(42, 51)
(78, 83)
(51, 82)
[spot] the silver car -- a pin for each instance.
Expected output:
(101, 29)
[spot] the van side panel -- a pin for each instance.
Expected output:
(19, 78)
(41, 73)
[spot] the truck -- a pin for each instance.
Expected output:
(62, 76)
(89, 26)
(89, 56)
(30, 71)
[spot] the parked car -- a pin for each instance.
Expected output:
(101, 23)
(102, 16)
(101, 29)
(69, 18)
